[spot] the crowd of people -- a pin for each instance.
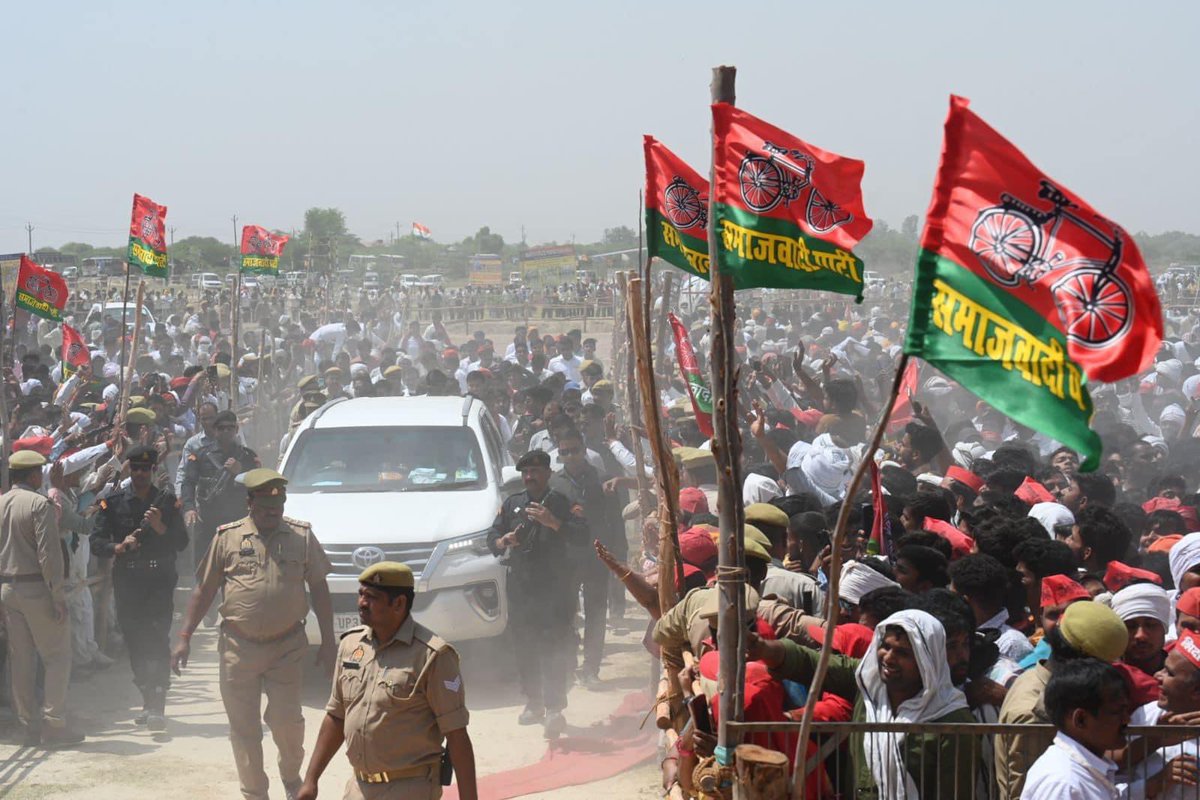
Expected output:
(1008, 587)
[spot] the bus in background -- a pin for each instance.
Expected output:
(101, 266)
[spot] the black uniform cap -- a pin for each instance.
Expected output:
(143, 454)
(534, 458)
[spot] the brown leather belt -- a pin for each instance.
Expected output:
(27, 578)
(395, 774)
(233, 630)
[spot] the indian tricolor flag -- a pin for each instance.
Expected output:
(420, 231)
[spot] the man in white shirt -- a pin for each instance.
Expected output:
(1087, 700)
(566, 361)
(336, 334)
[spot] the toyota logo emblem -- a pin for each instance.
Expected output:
(364, 557)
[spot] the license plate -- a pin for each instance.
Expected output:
(344, 622)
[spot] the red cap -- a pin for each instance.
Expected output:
(697, 547)
(1058, 590)
(849, 639)
(1033, 492)
(960, 543)
(1188, 645)
(688, 571)
(179, 383)
(1119, 575)
(693, 500)
(1172, 504)
(965, 477)
(38, 444)
(1189, 602)
(809, 416)
(449, 351)
(1164, 543)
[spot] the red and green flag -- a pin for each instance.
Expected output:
(881, 541)
(697, 387)
(148, 237)
(40, 291)
(261, 250)
(75, 353)
(1023, 292)
(676, 210)
(788, 214)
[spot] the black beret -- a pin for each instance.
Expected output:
(534, 458)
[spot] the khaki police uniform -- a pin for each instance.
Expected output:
(398, 700)
(262, 643)
(31, 582)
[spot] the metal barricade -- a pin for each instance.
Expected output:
(958, 761)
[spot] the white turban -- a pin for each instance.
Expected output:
(1171, 369)
(1184, 555)
(1172, 413)
(931, 478)
(110, 393)
(828, 467)
(1143, 600)
(112, 369)
(1158, 443)
(759, 489)
(1191, 387)
(858, 579)
(359, 369)
(966, 453)
(1051, 515)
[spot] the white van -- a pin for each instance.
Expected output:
(411, 479)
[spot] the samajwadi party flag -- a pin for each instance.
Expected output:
(40, 291)
(676, 210)
(261, 250)
(420, 231)
(75, 354)
(147, 237)
(690, 369)
(788, 214)
(1023, 292)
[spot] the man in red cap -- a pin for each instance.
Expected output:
(1187, 611)
(692, 501)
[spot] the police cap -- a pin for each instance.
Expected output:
(534, 458)
(387, 575)
(26, 459)
(143, 454)
(140, 416)
(311, 382)
(264, 481)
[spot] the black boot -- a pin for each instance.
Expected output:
(156, 720)
(144, 714)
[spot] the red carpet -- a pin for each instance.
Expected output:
(602, 751)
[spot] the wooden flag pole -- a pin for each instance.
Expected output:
(727, 449)
(631, 400)
(834, 576)
(127, 376)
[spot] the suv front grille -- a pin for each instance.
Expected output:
(416, 556)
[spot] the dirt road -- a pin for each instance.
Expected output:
(192, 758)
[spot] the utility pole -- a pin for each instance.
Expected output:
(172, 230)
(29, 231)
(397, 232)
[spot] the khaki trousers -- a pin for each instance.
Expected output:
(416, 788)
(247, 671)
(32, 632)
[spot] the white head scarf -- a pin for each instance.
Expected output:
(858, 579)
(759, 489)
(1184, 555)
(1143, 600)
(937, 698)
(1051, 515)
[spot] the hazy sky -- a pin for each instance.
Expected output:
(467, 114)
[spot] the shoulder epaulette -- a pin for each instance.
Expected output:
(297, 523)
(355, 629)
(230, 525)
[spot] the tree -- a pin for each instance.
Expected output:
(909, 227)
(325, 223)
(484, 241)
(619, 236)
(202, 251)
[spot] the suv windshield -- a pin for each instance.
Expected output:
(411, 459)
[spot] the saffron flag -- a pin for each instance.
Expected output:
(147, 237)
(1023, 292)
(420, 231)
(676, 210)
(75, 353)
(788, 214)
(261, 250)
(40, 291)
(690, 369)
(880, 543)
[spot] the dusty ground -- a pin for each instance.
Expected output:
(192, 757)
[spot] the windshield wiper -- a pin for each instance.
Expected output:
(444, 487)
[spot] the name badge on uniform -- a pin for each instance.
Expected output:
(246, 551)
(351, 665)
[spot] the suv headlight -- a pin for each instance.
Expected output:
(475, 543)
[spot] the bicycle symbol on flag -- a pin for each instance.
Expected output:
(41, 288)
(683, 206)
(150, 232)
(1017, 241)
(785, 175)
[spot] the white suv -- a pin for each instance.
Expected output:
(411, 479)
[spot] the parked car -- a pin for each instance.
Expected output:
(411, 479)
(370, 281)
(114, 312)
(208, 281)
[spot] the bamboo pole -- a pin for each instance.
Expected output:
(632, 403)
(726, 447)
(835, 570)
(665, 475)
(660, 338)
(127, 377)
(235, 312)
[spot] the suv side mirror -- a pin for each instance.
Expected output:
(510, 480)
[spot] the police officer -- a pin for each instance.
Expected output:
(210, 493)
(601, 511)
(538, 532)
(263, 563)
(397, 693)
(33, 594)
(141, 528)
